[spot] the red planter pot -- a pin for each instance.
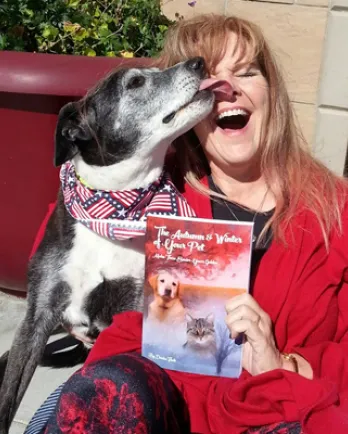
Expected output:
(33, 87)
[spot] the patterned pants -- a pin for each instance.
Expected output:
(124, 394)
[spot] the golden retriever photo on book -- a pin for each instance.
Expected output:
(167, 305)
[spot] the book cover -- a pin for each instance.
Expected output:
(193, 267)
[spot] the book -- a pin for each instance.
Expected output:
(193, 267)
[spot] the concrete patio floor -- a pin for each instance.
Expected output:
(45, 380)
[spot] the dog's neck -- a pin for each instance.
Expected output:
(136, 172)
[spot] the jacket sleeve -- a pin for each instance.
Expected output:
(329, 361)
(323, 286)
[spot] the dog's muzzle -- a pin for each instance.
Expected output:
(167, 292)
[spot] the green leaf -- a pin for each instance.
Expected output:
(116, 45)
(80, 35)
(43, 46)
(93, 34)
(163, 28)
(90, 52)
(127, 54)
(50, 32)
(103, 30)
(2, 41)
(28, 12)
(73, 3)
(70, 27)
(106, 17)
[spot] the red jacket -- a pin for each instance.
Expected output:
(305, 292)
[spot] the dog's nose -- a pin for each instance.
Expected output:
(167, 292)
(197, 64)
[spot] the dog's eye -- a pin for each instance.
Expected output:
(174, 284)
(136, 82)
(162, 280)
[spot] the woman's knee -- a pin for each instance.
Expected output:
(126, 390)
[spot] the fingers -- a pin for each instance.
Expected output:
(243, 312)
(243, 299)
(249, 302)
(244, 315)
(250, 328)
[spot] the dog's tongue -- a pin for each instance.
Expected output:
(221, 88)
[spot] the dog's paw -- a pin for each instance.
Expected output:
(81, 333)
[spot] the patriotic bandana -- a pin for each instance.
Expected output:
(120, 215)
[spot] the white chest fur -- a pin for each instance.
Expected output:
(94, 259)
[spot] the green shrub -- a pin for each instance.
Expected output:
(128, 28)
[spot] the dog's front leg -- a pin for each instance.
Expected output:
(3, 364)
(25, 353)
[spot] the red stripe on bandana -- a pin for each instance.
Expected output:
(120, 215)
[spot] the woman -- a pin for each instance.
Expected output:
(246, 161)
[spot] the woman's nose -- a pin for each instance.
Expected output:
(235, 89)
(230, 90)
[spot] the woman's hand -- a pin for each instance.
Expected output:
(260, 353)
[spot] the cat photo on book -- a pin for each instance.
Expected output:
(200, 334)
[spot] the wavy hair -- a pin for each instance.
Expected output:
(295, 177)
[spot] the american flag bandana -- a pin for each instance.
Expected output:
(120, 215)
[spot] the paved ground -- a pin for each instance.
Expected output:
(44, 381)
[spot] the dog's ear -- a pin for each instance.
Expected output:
(153, 282)
(71, 132)
(178, 289)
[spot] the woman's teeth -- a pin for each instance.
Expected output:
(234, 112)
(233, 119)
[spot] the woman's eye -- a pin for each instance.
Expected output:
(247, 74)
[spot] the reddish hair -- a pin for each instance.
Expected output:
(294, 176)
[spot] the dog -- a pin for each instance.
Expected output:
(167, 306)
(115, 139)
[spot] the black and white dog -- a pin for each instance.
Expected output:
(115, 139)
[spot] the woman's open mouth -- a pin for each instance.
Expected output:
(233, 119)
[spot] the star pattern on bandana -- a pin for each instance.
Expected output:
(119, 215)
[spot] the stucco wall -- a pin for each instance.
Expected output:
(295, 30)
(331, 139)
